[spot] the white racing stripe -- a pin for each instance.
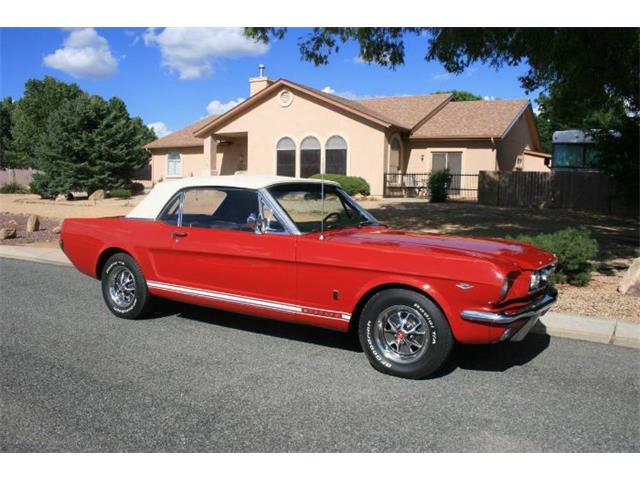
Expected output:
(254, 302)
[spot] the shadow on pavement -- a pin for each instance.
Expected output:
(489, 358)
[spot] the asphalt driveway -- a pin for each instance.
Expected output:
(75, 378)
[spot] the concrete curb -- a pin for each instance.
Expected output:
(52, 256)
(567, 325)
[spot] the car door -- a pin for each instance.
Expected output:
(220, 259)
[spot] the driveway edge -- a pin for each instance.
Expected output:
(566, 325)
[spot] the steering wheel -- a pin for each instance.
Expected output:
(330, 215)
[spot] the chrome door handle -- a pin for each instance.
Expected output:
(178, 234)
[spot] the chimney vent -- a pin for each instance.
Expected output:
(261, 70)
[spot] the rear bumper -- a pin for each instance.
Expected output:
(506, 317)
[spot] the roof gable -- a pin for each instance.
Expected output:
(407, 111)
(472, 119)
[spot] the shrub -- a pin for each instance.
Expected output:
(137, 188)
(351, 185)
(13, 187)
(575, 250)
(439, 181)
(120, 193)
(40, 185)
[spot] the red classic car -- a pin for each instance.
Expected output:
(304, 251)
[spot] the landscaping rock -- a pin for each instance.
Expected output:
(56, 229)
(33, 223)
(630, 283)
(359, 197)
(7, 233)
(64, 197)
(97, 195)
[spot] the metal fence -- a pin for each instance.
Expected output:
(416, 185)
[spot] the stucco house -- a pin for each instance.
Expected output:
(290, 129)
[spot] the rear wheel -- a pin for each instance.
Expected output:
(403, 333)
(124, 288)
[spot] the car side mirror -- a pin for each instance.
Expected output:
(255, 223)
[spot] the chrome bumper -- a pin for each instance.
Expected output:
(535, 309)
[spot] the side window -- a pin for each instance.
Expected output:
(216, 208)
(174, 164)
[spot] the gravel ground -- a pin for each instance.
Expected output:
(75, 378)
(19, 222)
(599, 299)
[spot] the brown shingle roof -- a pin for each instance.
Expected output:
(183, 137)
(473, 119)
(406, 111)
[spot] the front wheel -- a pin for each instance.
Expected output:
(405, 334)
(124, 288)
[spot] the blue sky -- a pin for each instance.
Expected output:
(176, 76)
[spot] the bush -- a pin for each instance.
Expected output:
(137, 188)
(351, 185)
(120, 193)
(41, 185)
(575, 250)
(439, 182)
(13, 187)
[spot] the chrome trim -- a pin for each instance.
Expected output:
(537, 308)
(278, 211)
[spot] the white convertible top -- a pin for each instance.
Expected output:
(152, 204)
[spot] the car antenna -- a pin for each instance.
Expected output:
(322, 207)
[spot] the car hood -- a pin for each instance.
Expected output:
(525, 256)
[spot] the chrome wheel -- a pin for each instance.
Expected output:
(401, 333)
(122, 287)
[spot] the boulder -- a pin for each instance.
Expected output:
(64, 196)
(56, 230)
(98, 195)
(7, 233)
(359, 197)
(630, 283)
(33, 223)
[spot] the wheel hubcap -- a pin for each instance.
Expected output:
(122, 287)
(401, 333)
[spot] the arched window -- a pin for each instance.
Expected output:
(336, 155)
(394, 159)
(174, 164)
(286, 157)
(309, 157)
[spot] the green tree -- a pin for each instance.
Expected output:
(90, 144)
(41, 99)
(461, 95)
(6, 122)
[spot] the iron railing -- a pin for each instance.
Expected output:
(416, 185)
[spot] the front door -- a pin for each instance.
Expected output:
(219, 259)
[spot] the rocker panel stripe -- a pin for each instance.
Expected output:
(251, 301)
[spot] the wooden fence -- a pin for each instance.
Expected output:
(589, 190)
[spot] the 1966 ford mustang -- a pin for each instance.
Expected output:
(303, 251)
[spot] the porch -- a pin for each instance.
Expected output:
(463, 187)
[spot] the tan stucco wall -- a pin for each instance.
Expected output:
(476, 155)
(268, 121)
(513, 144)
(534, 163)
(232, 158)
(193, 163)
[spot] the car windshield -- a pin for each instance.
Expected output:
(303, 204)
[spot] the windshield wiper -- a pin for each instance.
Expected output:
(364, 223)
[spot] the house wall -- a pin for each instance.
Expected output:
(268, 121)
(476, 155)
(232, 158)
(534, 163)
(193, 162)
(513, 144)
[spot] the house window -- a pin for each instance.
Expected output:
(174, 164)
(451, 161)
(309, 157)
(336, 155)
(286, 157)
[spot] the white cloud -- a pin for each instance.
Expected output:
(84, 54)
(348, 95)
(442, 76)
(191, 51)
(216, 107)
(160, 128)
(359, 59)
